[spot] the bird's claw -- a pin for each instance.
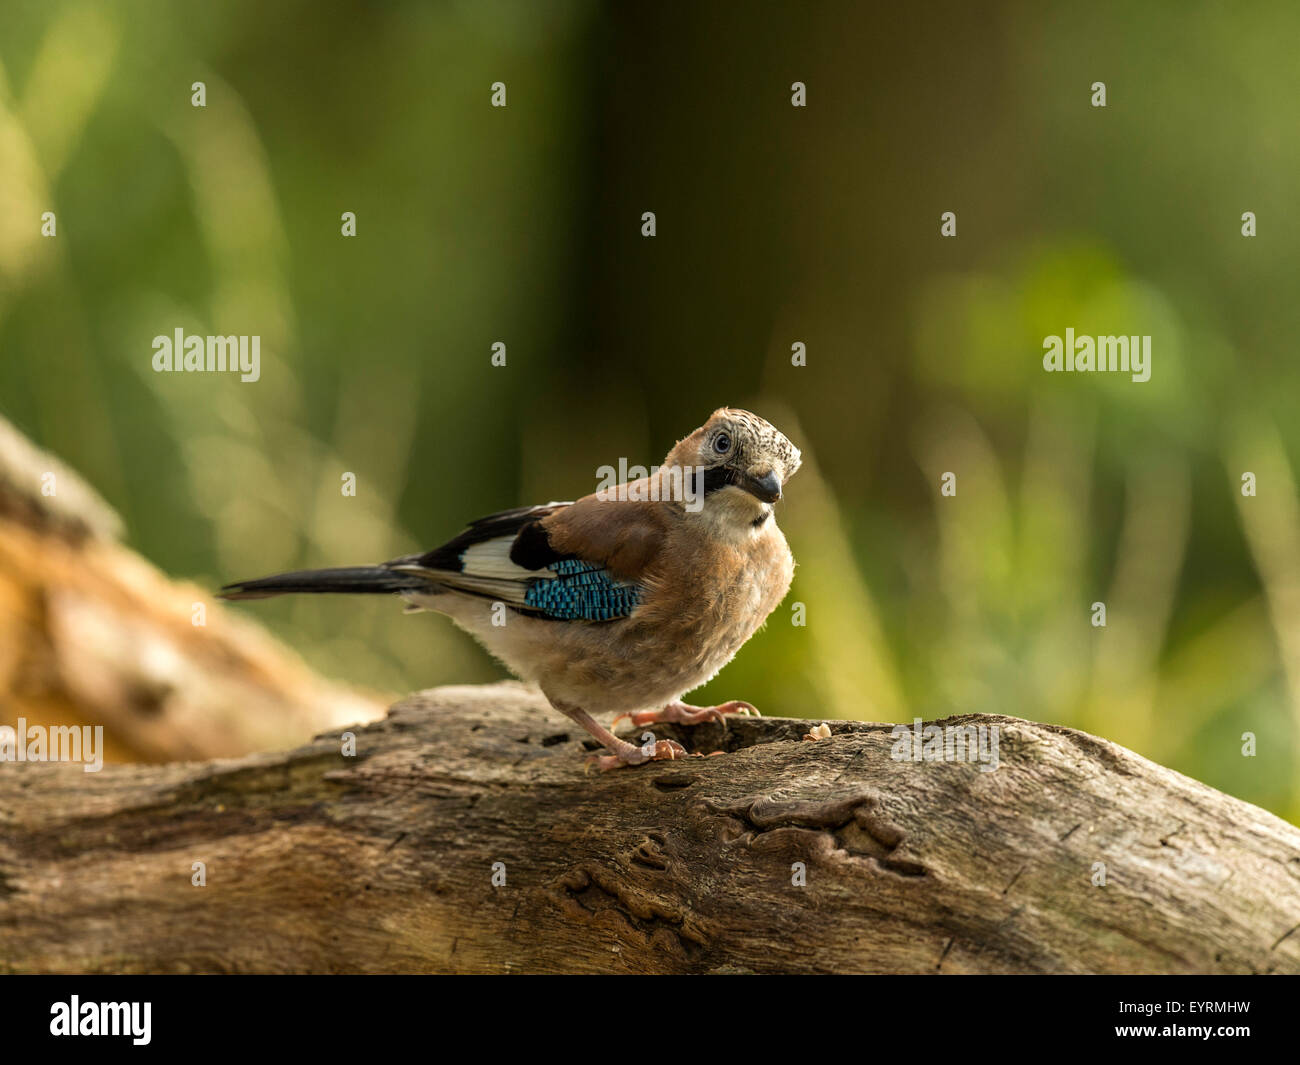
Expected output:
(663, 750)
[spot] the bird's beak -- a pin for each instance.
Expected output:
(766, 487)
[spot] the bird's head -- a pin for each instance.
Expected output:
(745, 460)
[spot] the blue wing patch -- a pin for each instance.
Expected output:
(582, 591)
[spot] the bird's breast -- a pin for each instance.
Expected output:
(711, 596)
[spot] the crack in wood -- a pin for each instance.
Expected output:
(592, 895)
(650, 852)
(1284, 936)
(947, 947)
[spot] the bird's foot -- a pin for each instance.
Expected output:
(631, 754)
(685, 714)
(621, 752)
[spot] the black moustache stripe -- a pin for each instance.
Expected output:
(715, 477)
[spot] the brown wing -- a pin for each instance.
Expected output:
(624, 536)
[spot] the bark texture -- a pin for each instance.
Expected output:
(384, 861)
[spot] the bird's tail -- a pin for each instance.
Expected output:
(348, 580)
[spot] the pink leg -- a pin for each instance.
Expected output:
(684, 714)
(622, 752)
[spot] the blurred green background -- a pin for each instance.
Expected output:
(775, 225)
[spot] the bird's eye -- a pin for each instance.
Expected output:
(722, 443)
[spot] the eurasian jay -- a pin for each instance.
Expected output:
(621, 602)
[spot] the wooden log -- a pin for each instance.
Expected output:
(385, 861)
(92, 634)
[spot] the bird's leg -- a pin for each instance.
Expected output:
(680, 713)
(621, 752)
